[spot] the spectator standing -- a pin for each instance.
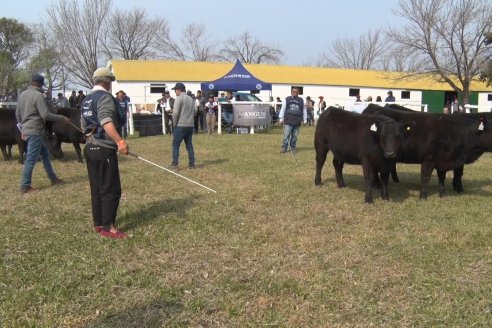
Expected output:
(102, 119)
(183, 124)
(291, 115)
(80, 98)
(211, 112)
(358, 98)
(198, 111)
(32, 113)
(72, 100)
(123, 100)
(165, 106)
(227, 111)
(309, 105)
(62, 101)
(455, 107)
(390, 97)
(378, 99)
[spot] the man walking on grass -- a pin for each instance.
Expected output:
(183, 125)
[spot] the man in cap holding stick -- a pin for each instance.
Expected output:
(32, 113)
(102, 120)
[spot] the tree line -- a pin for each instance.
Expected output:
(448, 39)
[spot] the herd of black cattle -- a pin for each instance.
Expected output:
(376, 139)
(382, 136)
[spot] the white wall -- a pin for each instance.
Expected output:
(139, 92)
(484, 105)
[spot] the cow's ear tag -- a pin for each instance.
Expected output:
(481, 127)
(374, 127)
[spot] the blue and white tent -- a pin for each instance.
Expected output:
(238, 79)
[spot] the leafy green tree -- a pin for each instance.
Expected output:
(15, 39)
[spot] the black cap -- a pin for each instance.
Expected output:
(179, 86)
(38, 78)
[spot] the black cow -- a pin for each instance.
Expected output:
(370, 140)
(10, 135)
(59, 132)
(441, 142)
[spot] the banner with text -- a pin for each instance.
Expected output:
(251, 114)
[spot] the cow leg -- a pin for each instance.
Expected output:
(368, 179)
(384, 185)
(76, 145)
(425, 175)
(441, 175)
(377, 181)
(338, 165)
(457, 182)
(4, 152)
(22, 146)
(394, 175)
(9, 152)
(321, 153)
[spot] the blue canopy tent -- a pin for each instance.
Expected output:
(238, 79)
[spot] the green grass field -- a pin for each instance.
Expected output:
(275, 250)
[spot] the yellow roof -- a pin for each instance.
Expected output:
(163, 70)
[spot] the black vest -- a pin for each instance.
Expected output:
(89, 114)
(294, 108)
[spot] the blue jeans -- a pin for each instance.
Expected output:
(290, 132)
(180, 134)
(35, 148)
(228, 118)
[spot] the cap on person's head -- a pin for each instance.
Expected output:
(320, 97)
(390, 93)
(102, 74)
(166, 92)
(80, 91)
(38, 79)
(211, 96)
(179, 86)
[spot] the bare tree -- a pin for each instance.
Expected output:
(77, 30)
(132, 35)
(194, 44)
(250, 50)
(46, 58)
(446, 39)
(366, 52)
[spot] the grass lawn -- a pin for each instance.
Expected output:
(275, 250)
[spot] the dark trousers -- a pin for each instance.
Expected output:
(104, 179)
(199, 120)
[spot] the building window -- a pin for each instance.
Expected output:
(489, 97)
(405, 95)
(354, 92)
(157, 88)
(301, 89)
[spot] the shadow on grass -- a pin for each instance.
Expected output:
(158, 209)
(153, 314)
(212, 162)
(399, 191)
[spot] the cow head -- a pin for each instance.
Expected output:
(390, 134)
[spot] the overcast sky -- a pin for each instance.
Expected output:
(302, 29)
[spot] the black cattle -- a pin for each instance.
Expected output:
(440, 142)
(10, 135)
(370, 140)
(59, 132)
